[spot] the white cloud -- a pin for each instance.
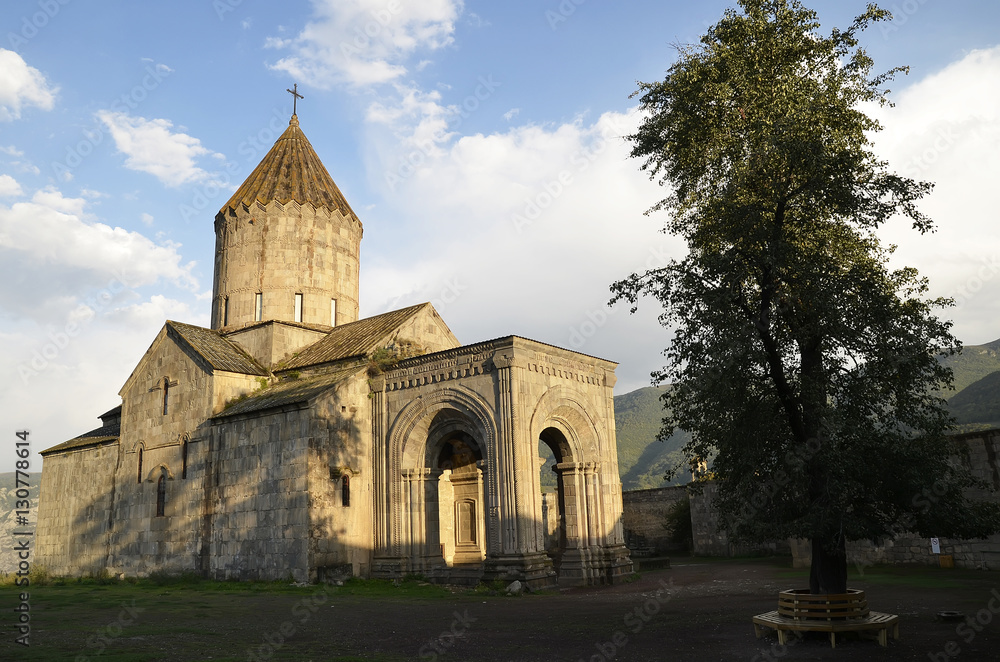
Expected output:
(147, 219)
(22, 86)
(83, 357)
(511, 114)
(535, 223)
(10, 150)
(52, 257)
(945, 129)
(565, 185)
(154, 312)
(74, 319)
(9, 188)
(365, 42)
(152, 147)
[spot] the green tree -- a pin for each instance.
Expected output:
(803, 367)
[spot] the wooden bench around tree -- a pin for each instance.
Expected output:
(800, 611)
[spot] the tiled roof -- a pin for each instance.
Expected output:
(113, 412)
(354, 339)
(101, 435)
(291, 170)
(220, 353)
(288, 392)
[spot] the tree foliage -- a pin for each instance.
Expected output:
(802, 365)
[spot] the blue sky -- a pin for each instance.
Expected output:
(480, 143)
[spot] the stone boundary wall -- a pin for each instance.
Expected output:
(644, 517)
(645, 513)
(979, 451)
(711, 540)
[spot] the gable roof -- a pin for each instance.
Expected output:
(354, 339)
(218, 352)
(290, 170)
(289, 392)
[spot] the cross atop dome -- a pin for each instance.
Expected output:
(295, 97)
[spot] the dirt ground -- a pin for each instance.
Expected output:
(697, 610)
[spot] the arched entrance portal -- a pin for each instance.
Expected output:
(460, 501)
(560, 513)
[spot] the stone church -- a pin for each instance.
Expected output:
(292, 439)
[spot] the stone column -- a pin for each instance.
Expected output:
(595, 523)
(515, 554)
(380, 474)
(417, 483)
(575, 566)
(506, 457)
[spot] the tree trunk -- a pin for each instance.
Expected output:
(828, 573)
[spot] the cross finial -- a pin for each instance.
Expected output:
(295, 97)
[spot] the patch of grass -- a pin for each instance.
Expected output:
(912, 576)
(894, 575)
(410, 585)
(173, 579)
(495, 587)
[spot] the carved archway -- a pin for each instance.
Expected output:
(561, 422)
(437, 515)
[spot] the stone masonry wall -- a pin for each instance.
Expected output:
(280, 251)
(710, 539)
(273, 342)
(73, 522)
(142, 542)
(340, 535)
(980, 452)
(259, 500)
(645, 516)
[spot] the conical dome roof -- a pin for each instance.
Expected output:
(291, 170)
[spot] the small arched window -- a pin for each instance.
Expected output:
(138, 478)
(166, 394)
(345, 490)
(184, 459)
(161, 495)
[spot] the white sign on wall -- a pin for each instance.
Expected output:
(935, 546)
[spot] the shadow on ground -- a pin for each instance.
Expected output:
(699, 609)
